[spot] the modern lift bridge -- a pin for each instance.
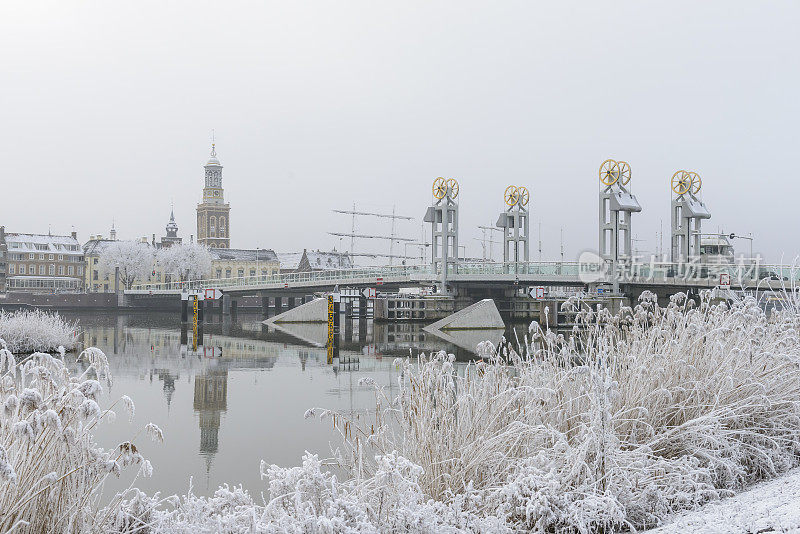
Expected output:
(454, 275)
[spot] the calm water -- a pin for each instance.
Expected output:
(241, 397)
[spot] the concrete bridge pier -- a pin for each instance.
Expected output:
(264, 305)
(226, 304)
(278, 305)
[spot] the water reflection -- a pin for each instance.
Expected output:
(240, 397)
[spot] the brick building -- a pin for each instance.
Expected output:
(42, 262)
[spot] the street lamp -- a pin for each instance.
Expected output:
(749, 238)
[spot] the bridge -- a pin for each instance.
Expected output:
(465, 277)
(614, 270)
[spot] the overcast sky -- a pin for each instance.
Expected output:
(108, 107)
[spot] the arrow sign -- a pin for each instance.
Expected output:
(212, 294)
(369, 293)
(536, 292)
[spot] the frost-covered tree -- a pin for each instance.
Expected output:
(187, 261)
(133, 258)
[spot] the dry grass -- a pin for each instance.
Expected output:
(635, 416)
(51, 470)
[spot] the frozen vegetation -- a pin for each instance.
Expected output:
(51, 470)
(134, 259)
(632, 419)
(29, 331)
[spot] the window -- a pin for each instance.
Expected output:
(61, 270)
(32, 269)
(95, 260)
(213, 226)
(41, 269)
(94, 275)
(51, 270)
(219, 273)
(60, 257)
(31, 256)
(70, 270)
(80, 270)
(241, 272)
(50, 257)
(264, 272)
(227, 273)
(11, 269)
(41, 256)
(252, 272)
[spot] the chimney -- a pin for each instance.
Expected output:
(154, 239)
(74, 235)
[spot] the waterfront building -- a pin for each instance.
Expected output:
(43, 263)
(213, 213)
(233, 263)
(98, 281)
(315, 260)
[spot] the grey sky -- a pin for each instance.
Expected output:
(107, 110)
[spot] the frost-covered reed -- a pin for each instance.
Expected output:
(28, 331)
(51, 469)
(635, 416)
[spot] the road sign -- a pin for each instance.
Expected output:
(725, 280)
(212, 294)
(369, 293)
(536, 292)
(379, 281)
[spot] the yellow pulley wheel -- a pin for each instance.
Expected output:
(697, 183)
(609, 172)
(452, 187)
(624, 172)
(511, 195)
(681, 182)
(524, 196)
(439, 188)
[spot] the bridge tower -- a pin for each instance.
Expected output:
(617, 204)
(515, 224)
(443, 216)
(688, 212)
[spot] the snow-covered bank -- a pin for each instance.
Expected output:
(772, 506)
(27, 331)
(633, 418)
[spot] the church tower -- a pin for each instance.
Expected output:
(213, 222)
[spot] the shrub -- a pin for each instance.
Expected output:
(27, 331)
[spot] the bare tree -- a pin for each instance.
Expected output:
(134, 260)
(187, 261)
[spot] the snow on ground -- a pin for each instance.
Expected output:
(772, 506)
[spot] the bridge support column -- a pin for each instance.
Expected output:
(226, 304)
(278, 305)
(264, 304)
(234, 306)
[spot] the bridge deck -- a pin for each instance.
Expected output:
(691, 275)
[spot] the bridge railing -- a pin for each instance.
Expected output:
(579, 271)
(388, 273)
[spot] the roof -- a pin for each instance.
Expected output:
(55, 243)
(290, 260)
(213, 159)
(326, 261)
(95, 247)
(239, 254)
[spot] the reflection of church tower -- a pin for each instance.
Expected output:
(210, 400)
(213, 214)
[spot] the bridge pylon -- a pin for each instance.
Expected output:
(442, 215)
(617, 204)
(688, 212)
(515, 224)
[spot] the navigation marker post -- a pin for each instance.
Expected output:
(334, 300)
